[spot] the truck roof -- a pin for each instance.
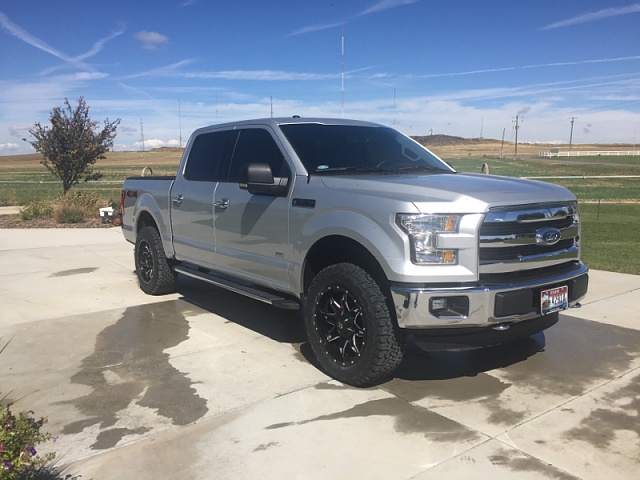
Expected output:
(295, 119)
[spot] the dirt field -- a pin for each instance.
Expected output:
(161, 156)
(442, 145)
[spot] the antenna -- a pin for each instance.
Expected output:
(342, 76)
(142, 135)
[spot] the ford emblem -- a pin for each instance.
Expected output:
(548, 236)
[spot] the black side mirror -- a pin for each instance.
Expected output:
(258, 179)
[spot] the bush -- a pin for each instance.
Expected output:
(36, 210)
(76, 206)
(87, 202)
(68, 214)
(19, 435)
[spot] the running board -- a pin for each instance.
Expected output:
(255, 293)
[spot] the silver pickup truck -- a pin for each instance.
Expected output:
(367, 232)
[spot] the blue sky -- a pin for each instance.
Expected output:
(463, 67)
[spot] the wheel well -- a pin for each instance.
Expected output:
(338, 249)
(145, 220)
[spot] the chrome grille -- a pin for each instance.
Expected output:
(527, 237)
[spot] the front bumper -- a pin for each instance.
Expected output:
(481, 306)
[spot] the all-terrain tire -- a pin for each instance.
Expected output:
(155, 275)
(350, 328)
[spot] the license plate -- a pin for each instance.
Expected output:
(554, 299)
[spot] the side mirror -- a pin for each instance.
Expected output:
(258, 179)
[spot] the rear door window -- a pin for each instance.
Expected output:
(207, 156)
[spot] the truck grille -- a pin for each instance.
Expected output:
(522, 238)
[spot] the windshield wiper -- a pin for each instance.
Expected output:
(422, 168)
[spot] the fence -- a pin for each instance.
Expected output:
(590, 153)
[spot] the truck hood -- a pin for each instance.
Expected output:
(470, 192)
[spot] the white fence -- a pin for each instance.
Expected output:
(593, 153)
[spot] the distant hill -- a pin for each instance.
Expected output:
(446, 140)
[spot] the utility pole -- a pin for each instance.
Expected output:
(502, 144)
(342, 74)
(571, 135)
(394, 107)
(142, 135)
(179, 122)
(515, 151)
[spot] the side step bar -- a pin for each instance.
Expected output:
(251, 292)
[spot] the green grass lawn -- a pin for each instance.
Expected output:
(610, 235)
(610, 231)
(19, 186)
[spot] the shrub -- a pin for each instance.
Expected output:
(36, 210)
(68, 214)
(87, 202)
(19, 435)
(76, 206)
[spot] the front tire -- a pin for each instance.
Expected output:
(350, 328)
(155, 275)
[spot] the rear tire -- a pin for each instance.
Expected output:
(350, 328)
(155, 275)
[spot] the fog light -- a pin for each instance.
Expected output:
(457, 307)
(438, 304)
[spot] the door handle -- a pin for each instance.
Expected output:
(221, 203)
(177, 200)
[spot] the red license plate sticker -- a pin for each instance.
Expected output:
(554, 299)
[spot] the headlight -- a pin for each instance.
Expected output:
(423, 231)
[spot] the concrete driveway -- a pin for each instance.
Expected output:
(206, 384)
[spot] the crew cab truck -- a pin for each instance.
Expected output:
(366, 231)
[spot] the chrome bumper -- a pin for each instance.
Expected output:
(413, 310)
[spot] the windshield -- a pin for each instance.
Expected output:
(325, 149)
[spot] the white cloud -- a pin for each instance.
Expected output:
(164, 71)
(259, 75)
(315, 28)
(156, 143)
(151, 40)
(77, 61)
(595, 16)
(385, 5)
(377, 7)
(8, 147)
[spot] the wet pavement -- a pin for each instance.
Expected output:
(207, 384)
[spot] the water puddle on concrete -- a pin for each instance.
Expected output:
(74, 271)
(618, 416)
(129, 369)
(408, 418)
(567, 359)
(519, 463)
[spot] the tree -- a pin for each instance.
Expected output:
(72, 144)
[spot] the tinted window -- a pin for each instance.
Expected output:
(326, 148)
(255, 145)
(207, 156)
